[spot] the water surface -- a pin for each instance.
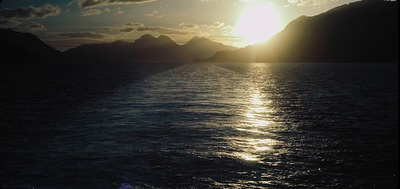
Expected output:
(200, 125)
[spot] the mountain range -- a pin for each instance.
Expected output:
(26, 47)
(148, 49)
(365, 31)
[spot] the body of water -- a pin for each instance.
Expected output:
(222, 125)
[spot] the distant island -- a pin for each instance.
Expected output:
(365, 31)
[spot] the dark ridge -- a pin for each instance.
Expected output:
(364, 31)
(25, 47)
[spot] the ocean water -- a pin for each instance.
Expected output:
(221, 125)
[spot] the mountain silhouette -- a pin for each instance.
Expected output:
(102, 52)
(18, 47)
(147, 49)
(148, 41)
(150, 49)
(201, 47)
(365, 31)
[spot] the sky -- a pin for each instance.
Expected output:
(65, 24)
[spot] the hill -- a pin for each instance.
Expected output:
(18, 47)
(365, 31)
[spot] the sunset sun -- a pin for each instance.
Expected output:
(258, 22)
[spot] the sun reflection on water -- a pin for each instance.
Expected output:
(253, 149)
(256, 138)
(247, 156)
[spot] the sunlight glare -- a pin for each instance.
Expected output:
(258, 22)
(247, 157)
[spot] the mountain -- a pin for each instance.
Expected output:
(150, 49)
(147, 49)
(365, 31)
(100, 52)
(148, 41)
(202, 48)
(18, 47)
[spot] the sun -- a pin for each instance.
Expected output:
(258, 22)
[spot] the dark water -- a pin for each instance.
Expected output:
(200, 126)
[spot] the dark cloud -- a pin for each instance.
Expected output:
(90, 3)
(127, 30)
(10, 24)
(35, 26)
(30, 12)
(16, 25)
(83, 35)
(96, 3)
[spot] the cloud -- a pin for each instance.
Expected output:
(36, 26)
(127, 30)
(72, 2)
(192, 26)
(154, 14)
(10, 24)
(30, 12)
(89, 35)
(217, 24)
(16, 25)
(92, 12)
(189, 25)
(97, 3)
(129, 27)
(134, 24)
(304, 3)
